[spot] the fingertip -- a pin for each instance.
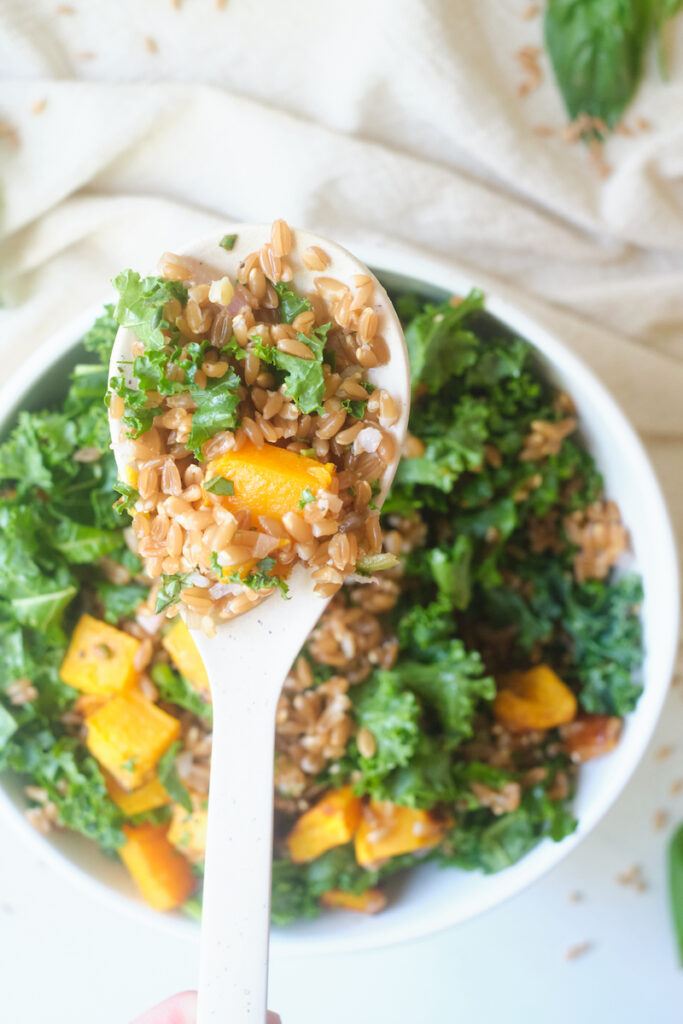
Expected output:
(179, 1009)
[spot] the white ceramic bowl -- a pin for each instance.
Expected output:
(430, 898)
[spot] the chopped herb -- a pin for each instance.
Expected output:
(169, 778)
(216, 410)
(307, 496)
(261, 578)
(129, 496)
(291, 304)
(303, 379)
(355, 407)
(228, 242)
(169, 591)
(219, 485)
(141, 302)
(309, 452)
(138, 415)
(129, 764)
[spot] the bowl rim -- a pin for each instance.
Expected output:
(438, 275)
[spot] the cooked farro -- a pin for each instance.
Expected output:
(188, 507)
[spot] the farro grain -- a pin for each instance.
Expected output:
(330, 289)
(367, 325)
(271, 265)
(257, 283)
(330, 423)
(315, 258)
(253, 431)
(172, 268)
(297, 527)
(90, 454)
(349, 434)
(367, 745)
(304, 322)
(117, 407)
(281, 238)
(366, 357)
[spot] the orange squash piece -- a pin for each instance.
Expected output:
(269, 481)
(187, 830)
(331, 822)
(403, 830)
(369, 902)
(591, 736)
(100, 659)
(185, 656)
(535, 699)
(146, 798)
(162, 875)
(128, 735)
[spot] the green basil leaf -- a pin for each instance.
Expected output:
(596, 49)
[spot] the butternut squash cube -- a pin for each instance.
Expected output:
(187, 830)
(535, 699)
(387, 830)
(269, 481)
(100, 658)
(331, 822)
(369, 902)
(147, 797)
(164, 878)
(185, 656)
(128, 735)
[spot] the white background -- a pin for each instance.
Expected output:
(67, 958)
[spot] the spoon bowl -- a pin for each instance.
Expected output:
(247, 662)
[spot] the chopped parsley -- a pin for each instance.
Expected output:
(228, 242)
(303, 379)
(169, 591)
(291, 304)
(128, 498)
(307, 496)
(261, 577)
(219, 485)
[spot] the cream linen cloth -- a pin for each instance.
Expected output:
(364, 119)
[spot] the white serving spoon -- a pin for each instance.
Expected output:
(247, 662)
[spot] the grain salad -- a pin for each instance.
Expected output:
(440, 710)
(254, 439)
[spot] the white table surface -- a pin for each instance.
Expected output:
(69, 959)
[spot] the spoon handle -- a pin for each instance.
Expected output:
(233, 975)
